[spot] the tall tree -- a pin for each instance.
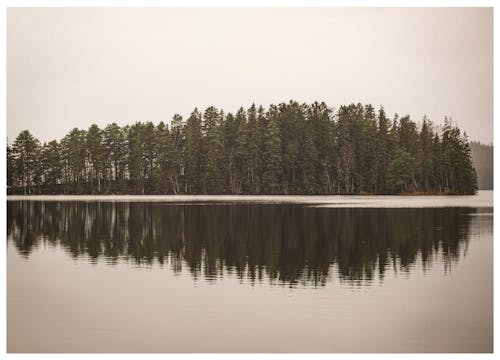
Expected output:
(95, 156)
(427, 179)
(213, 151)
(271, 178)
(253, 158)
(26, 154)
(193, 154)
(320, 124)
(115, 157)
(52, 166)
(344, 147)
(11, 168)
(73, 151)
(383, 151)
(291, 148)
(401, 172)
(177, 141)
(241, 175)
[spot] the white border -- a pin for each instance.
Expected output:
(248, 3)
(216, 3)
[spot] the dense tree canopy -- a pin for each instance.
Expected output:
(482, 157)
(289, 148)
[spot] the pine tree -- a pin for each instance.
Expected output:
(135, 158)
(213, 148)
(229, 135)
(253, 159)
(95, 154)
(262, 123)
(383, 152)
(241, 153)
(162, 163)
(52, 166)
(290, 119)
(177, 141)
(25, 152)
(11, 170)
(193, 154)
(290, 149)
(368, 151)
(321, 125)
(271, 178)
(468, 177)
(149, 156)
(344, 147)
(401, 172)
(426, 157)
(115, 157)
(308, 162)
(73, 156)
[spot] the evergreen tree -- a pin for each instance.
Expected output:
(262, 123)
(73, 151)
(177, 141)
(25, 153)
(229, 137)
(307, 161)
(213, 148)
(289, 117)
(459, 174)
(11, 166)
(150, 144)
(290, 149)
(241, 153)
(163, 165)
(136, 166)
(115, 157)
(467, 177)
(401, 172)
(344, 147)
(427, 179)
(52, 166)
(368, 151)
(193, 154)
(320, 123)
(94, 147)
(383, 151)
(271, 177)
(482, 158)
(253, 159)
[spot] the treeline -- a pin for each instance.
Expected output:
(288, 148)
(482, 158)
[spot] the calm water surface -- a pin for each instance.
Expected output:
(102, 275)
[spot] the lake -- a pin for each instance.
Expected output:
(250, 274)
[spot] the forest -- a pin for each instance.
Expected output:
(289, 148)
(482, 158)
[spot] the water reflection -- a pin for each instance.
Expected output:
(289, 244)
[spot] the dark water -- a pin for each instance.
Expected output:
(225, 277)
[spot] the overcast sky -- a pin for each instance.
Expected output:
(72, 67)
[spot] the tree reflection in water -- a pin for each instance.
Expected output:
(288, 244)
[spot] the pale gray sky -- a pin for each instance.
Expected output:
(71, 67)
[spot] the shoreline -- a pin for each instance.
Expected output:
(483, 198)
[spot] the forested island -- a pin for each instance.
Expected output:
(290, 148)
